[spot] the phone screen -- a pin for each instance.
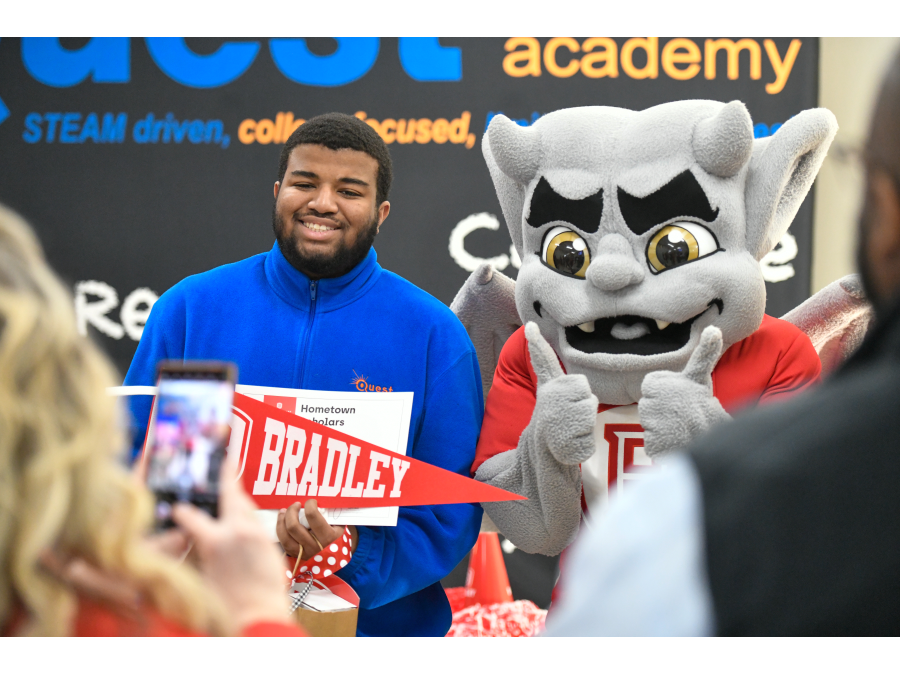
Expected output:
(190, 434)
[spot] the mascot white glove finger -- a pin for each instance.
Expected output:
(565, 410)
(544, 466)
(675, 408)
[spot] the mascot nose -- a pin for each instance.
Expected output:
(615, 267)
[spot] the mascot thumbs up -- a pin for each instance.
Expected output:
(640, 235)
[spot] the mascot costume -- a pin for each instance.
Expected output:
(641, 295)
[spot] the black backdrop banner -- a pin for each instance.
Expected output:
(143, 161)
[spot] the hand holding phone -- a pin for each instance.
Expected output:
(190, 434)
(236, 555)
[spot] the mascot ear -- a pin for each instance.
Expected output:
(513, 154)
(782, 170)
(723, 143)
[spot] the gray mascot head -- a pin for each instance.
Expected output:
(637, 230)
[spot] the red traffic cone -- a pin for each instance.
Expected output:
(486, 581)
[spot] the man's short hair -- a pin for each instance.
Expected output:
(336, 131)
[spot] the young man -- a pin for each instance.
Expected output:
(310, 314)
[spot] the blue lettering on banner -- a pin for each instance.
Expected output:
(170, 130)
(90, 129)
(424, 59)
(225, 65)
(68, 133)
(762, 130)
(32, 132)
(353, 58)
(52, 121)
(113, 130)
(68, 127)
(4, 111)
(108, 59)
(105, 59)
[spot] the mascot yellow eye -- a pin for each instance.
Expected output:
(566, 252)
(678, 244)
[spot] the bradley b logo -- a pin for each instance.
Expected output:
(619, 459)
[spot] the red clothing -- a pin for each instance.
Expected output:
(96, 619)
(775, 361)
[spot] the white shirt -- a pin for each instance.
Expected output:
(640, 570)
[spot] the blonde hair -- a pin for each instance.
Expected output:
(63, 487)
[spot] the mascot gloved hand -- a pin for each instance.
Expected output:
(546, 460)
(675, 408)
(640, 236)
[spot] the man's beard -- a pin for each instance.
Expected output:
(323, 266)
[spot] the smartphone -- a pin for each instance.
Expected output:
(190, 433)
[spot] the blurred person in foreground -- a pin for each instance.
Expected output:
(75, 558)
(787, 521)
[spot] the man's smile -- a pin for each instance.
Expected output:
(318, 225)
(632, 334)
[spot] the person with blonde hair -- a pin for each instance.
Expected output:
(75, 555)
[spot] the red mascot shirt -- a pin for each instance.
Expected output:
(774, 362)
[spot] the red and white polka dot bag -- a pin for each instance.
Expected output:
(326, 562)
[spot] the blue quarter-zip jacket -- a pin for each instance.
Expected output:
(284, 330)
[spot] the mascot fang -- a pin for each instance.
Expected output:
(641, 295)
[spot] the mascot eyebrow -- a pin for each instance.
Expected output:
(547, 206)
(681, 196)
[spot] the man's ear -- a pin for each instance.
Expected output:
(782, 169)
(382, 212)
(277, 188)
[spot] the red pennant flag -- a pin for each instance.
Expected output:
(286, 459)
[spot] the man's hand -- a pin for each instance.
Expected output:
(675, 408)
(299, 541)
(565, 411)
